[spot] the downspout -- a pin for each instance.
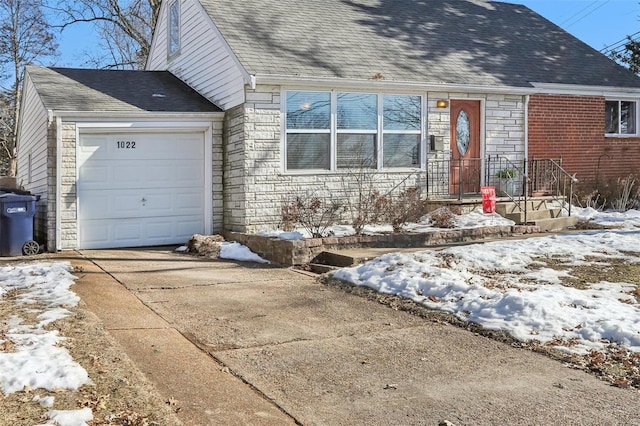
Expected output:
(252, 82)
(58, 183)
(526, 134)
(527, 98)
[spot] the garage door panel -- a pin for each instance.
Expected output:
(150, 174)
(140, 146)
(130, 204)
(148, 193)
(133, 232)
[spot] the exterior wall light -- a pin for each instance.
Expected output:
(442, 103)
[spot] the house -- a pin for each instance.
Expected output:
(271, 98)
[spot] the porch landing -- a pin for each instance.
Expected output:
(544, 212)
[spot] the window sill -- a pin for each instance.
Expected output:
(348, 172)
(620, 136)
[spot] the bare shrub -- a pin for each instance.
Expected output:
(402, 208)
(442, 218)
(628, 194)
(313, 213)
(619, 194)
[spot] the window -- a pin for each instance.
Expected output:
(357, 116)
(333, 131)
(308, 130)
(402, 118)
(174, 28)
(620, 117)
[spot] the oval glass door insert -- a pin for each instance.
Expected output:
(462, 132)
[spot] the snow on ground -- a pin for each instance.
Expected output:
(475, 219)
(236, 251)
(504, 285)
(628, 219)
(32, 356)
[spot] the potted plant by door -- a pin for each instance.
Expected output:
(507, 186)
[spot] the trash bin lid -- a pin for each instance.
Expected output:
(16, 198)
(14, 191)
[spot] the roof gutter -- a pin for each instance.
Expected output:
(383, 85)
(353, 83)
(138, 115)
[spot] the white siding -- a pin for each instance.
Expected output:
(32, 143)
(205, 61)
(32, 139)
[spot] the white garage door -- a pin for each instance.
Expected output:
(140, 189)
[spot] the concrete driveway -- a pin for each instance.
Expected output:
(249, 344)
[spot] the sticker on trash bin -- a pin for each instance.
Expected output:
(16, 210)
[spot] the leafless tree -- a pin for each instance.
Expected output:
(124, 27)
(25, 38)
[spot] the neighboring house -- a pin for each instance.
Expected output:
(423, 93)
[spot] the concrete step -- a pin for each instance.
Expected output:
(506, 207)
(533, 215)
(335, 259)
(556, 224)
(318, 268)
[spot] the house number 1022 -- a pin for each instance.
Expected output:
(126, 144)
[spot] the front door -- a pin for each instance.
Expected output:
(464, 177)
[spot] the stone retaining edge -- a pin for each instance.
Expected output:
(302, 252)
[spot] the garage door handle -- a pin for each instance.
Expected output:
(144, 200)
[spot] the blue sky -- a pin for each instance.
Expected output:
(598, 23)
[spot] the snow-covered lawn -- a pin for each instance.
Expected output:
(30, 355)
(510, 286)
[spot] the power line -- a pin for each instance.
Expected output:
(585, 15)
(577, 13)
(618, 44)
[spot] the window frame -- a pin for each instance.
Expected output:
(618, 134)
(333, 130)
(173, 52)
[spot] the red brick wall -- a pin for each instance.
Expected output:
(572, 128)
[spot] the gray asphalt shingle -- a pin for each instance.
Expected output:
(431, 41)
(69, 89)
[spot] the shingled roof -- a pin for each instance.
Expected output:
(473, 42)
(87, 90)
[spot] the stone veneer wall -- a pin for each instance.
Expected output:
(68, 193)
(48, 218)
(255, 184)
(234, 197)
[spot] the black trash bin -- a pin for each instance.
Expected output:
(16, 224)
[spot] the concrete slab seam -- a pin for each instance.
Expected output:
(192, 338)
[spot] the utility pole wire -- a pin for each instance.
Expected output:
(585, 15)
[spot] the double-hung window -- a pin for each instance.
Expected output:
(621, 117)
(308, 130)
(357, 130)
(341, 131)
(402, 119)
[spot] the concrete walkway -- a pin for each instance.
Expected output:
(247, 344)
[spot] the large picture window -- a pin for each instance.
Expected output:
(621, 117)
(338, 131)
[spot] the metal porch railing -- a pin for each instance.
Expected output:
(516, 180)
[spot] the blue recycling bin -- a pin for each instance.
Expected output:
(16, 224)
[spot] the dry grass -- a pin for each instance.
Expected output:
(616, 364)
(120, 394)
